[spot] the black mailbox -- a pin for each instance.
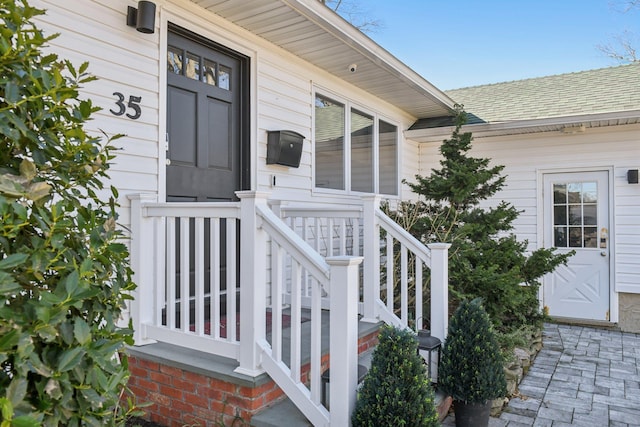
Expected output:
(284, 147)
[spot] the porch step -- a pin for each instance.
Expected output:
(285, 413)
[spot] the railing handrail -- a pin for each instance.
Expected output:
(404, 237)
(195, 209)
(284, 236)
(322, 212)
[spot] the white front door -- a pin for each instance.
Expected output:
(576, 217)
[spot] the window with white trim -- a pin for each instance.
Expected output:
(355, 150)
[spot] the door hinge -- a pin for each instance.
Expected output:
(166, 141)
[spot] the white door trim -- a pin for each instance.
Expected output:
(613, 295)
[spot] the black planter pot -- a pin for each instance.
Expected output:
(472, 414)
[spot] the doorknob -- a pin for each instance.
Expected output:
(603, 253)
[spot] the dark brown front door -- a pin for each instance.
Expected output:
(206, 90)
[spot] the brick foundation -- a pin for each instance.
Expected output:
(180, 397)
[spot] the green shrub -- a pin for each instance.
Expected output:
(396, 390)
(471, 367)
(485, 259)
(64, 274)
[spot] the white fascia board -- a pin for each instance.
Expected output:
(514, 127)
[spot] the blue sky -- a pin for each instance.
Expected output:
(463, 43)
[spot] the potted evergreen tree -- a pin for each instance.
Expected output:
(396, 390)
(471, 369)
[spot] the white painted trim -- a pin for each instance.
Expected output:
(509, 127)
(613, 289)
(162, 105)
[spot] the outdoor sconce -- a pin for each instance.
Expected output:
(632, 176)
(143, 18)
(432, 346)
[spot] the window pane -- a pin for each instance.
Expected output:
(192, 67)
(174, 60)
(560, 237)
(209, 72)
(361, 152)
(575, 215)
(590, 214)
(388, 158)
(575, 237)
(560, 215)
(590, 192)
(590, 237)
(329, 139)
(559, 193)
(574, 192)
(224, 79)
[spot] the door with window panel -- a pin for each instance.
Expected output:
(576, 218)
(203, 121)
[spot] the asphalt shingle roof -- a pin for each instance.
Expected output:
(602, 90)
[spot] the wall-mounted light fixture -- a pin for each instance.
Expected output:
(143, 18)
(632, 176)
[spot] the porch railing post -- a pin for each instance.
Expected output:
(253, 268)
(276, 207)
(439, 289)
(343, 343)
(371, 252)
(142, 264)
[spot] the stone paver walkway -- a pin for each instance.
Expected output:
(583, 376)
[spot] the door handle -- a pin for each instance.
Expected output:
(603, 253)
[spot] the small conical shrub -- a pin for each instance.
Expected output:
(396, 390)
(471, 369)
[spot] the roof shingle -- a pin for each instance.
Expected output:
(602, 90)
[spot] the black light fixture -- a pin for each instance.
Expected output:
(143, 18)
(432, 346)
(632, 176)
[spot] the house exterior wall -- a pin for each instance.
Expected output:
(526, 157)
(282, 93)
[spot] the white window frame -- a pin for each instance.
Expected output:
(349, 106)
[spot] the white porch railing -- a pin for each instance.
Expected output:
(186, 257)
(390, 253)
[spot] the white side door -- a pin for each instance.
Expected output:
(576, 217)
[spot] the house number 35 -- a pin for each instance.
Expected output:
(133, 105)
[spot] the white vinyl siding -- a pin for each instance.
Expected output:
(132, 63)
(96, 31)
(525, 157)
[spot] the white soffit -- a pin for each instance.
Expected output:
(318, 35)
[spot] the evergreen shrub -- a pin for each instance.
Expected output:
(486, 259)
(471, 368)
(396, 390)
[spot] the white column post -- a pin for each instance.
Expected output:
(253, 267)
(142, 243)
(371, 252)
(276, 207)
(439, 289)
(343, 342)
